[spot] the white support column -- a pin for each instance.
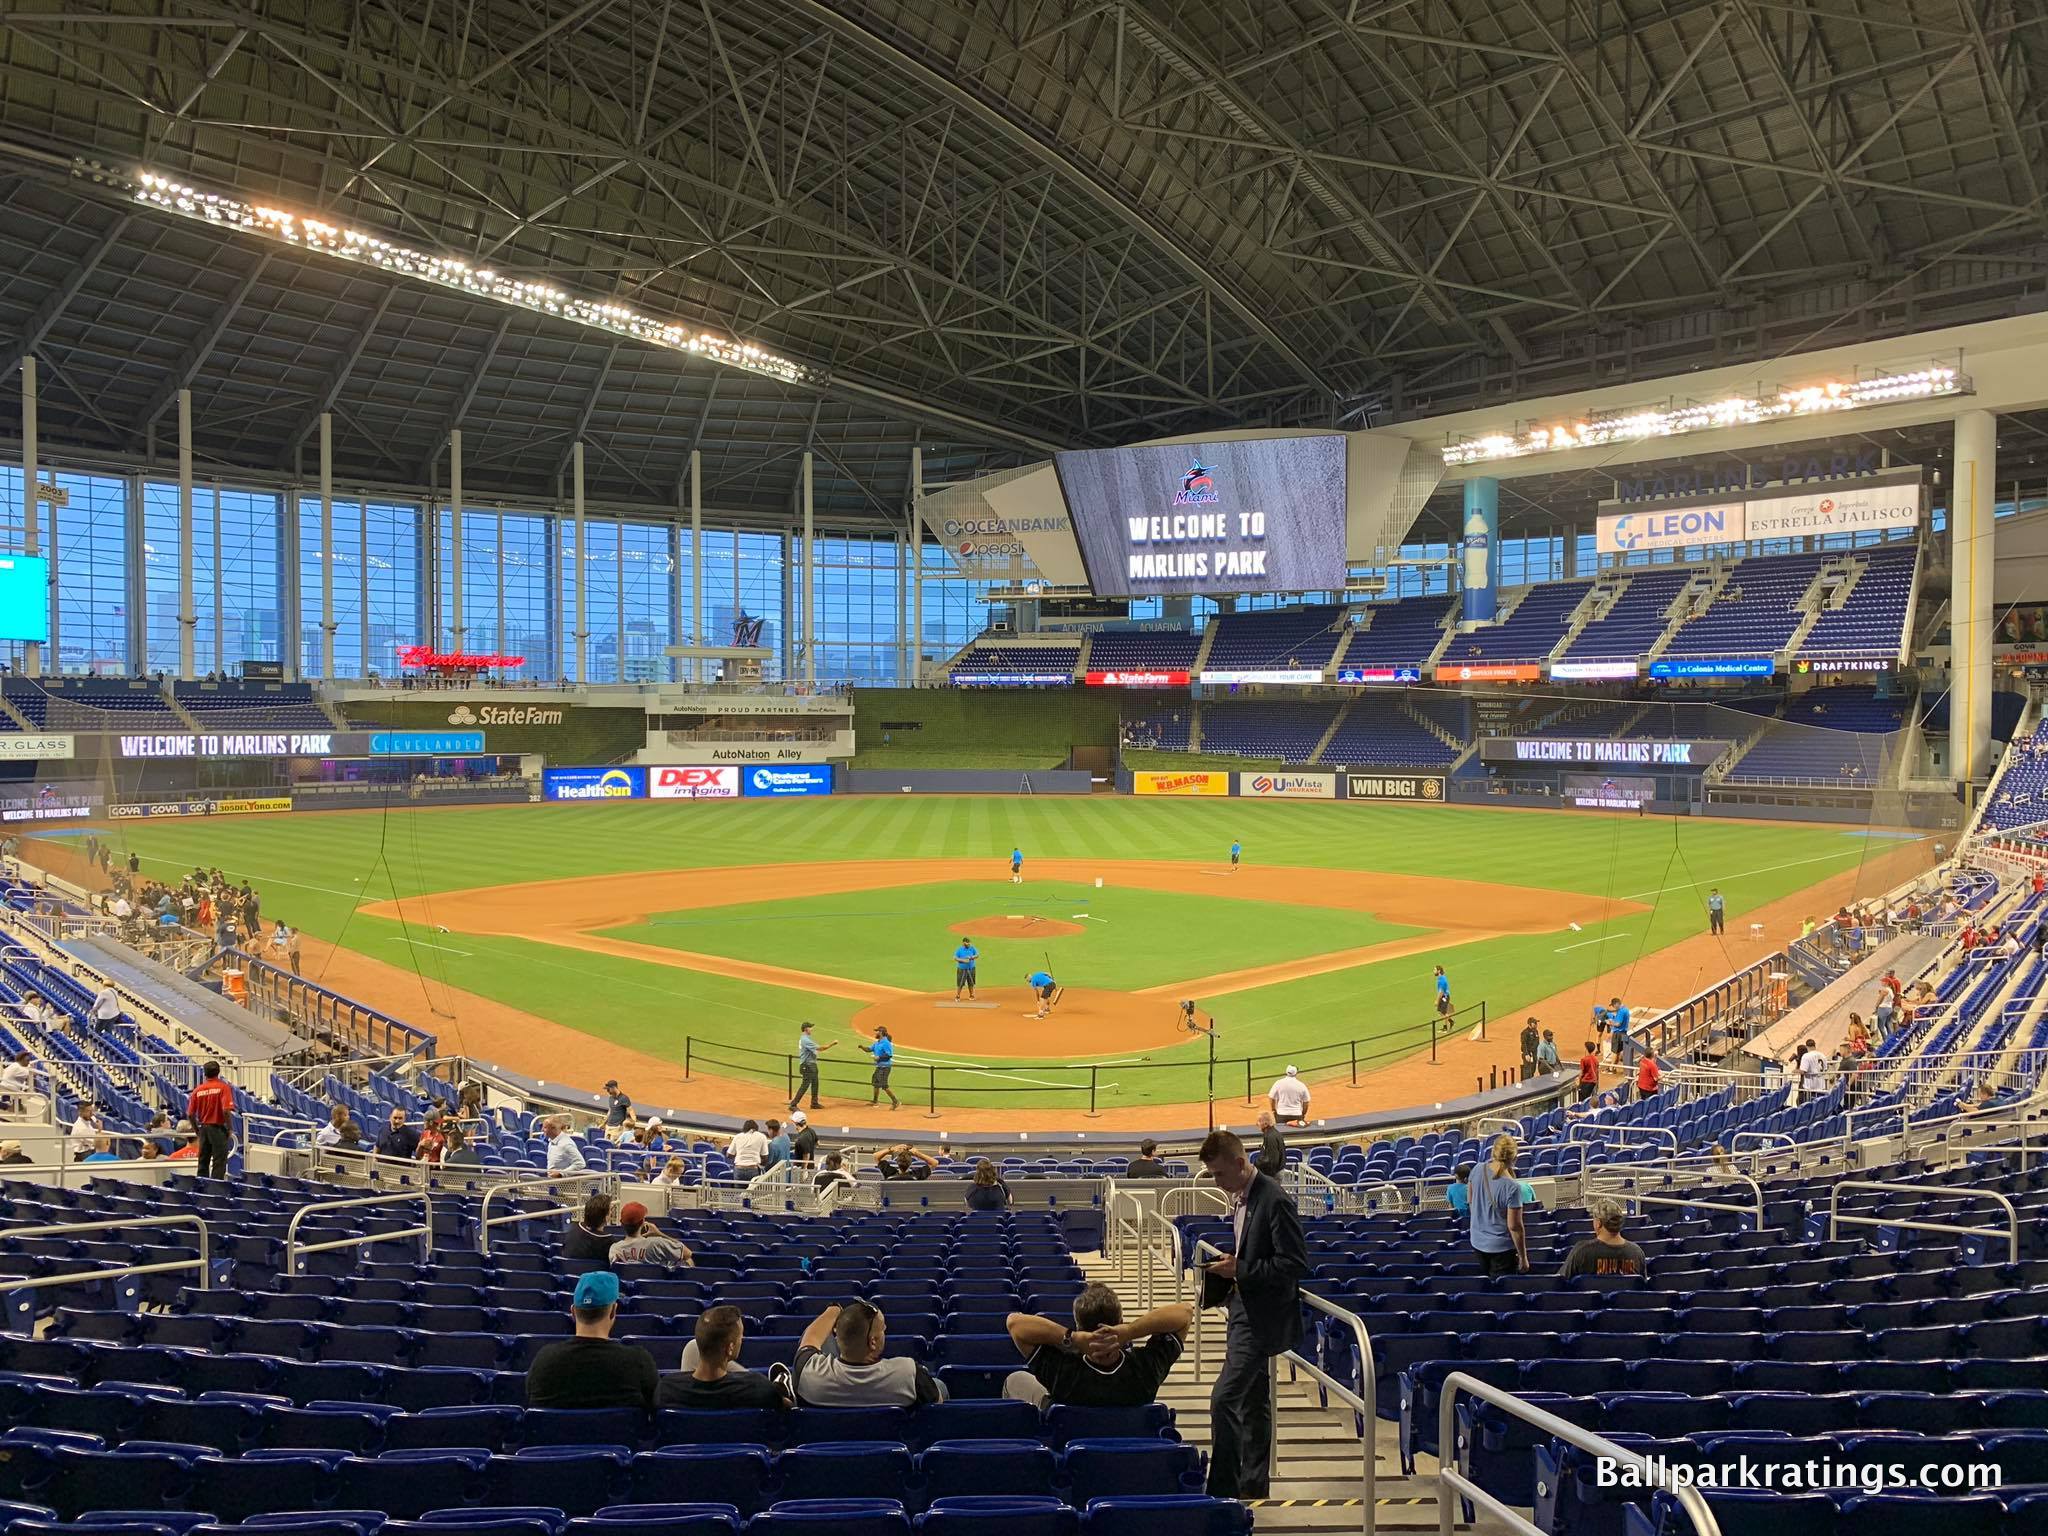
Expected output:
(619, 592)
(31, 525)
(582, 569)
(220, 617)
(188, 619)
(696, 561)
(674, 673)
(916, 567)
(1971, 520)
(363, 661)
(327, 552)
(455, 625)
(810, 580)
(499, 644)
(902, 607)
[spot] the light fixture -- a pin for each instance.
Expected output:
(538, 296)
(1639, 424)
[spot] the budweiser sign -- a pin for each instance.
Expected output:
(465, 661)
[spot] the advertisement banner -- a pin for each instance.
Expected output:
(1713, 666)
(1284, 675)
(1591, 671)
(1137, 679)
(669, 749)
(672, 781)
(1180, 783)
(593, 783)
(1489, 672)
(1813, 665)
(425, 743)
(48, 802)
(1596, 792)
(1561, 749)
(1393, 786)
(1011, 679)
(780, 782)
(1722, 522)
(167, 808)
(253, 807)
(1845, 507)
(211, 744)
(1288, 786)
(1379, 674)
(47, 749)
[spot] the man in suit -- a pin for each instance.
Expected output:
(1259, 1284)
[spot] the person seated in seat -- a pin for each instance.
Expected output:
(1146, 1164)
(399, 1139)
(988, 1192)
(839, 1364)
(645, 1243)
(338, 1124)
(712, 1376)
(103, 1151)
(1606, 1255)
(834, 1178)
(587, 1237)
(1092, 1364)
(592, 1370)
(904, 1161)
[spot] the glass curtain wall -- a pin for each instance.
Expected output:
(237, 594)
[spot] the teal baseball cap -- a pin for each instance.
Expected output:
(599, 1288)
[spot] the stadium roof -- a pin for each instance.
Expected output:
(985, 226)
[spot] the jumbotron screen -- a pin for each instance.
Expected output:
(1263, 515)
(25, 598)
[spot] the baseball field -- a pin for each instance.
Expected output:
(584, 941)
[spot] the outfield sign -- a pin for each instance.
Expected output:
(1166, 679)
(1577, 751)
(426, 743)
(1874, 503)
(210, 744)
(1591, 671)
(1489, 672)
(1379, 674)
(1718, 522)
(1288, 786)
(1806, 665)
(22, 747)
(1393, 786)
(50, 802)
(1180, 783)
(593, 783)
(1012, 679)
(1713, 666)
(200, 808)
(1297, 675)
(676, 781)
(778, 783)
(730, 752)
(1609, 792)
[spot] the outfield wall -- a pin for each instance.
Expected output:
(964, 781)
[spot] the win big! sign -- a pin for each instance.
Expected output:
(690, 782)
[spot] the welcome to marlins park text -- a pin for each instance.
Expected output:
(244, 744)
(1671, 754)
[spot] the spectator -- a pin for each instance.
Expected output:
(102, 1151)
(1606, 1255)
(1091, 1364)
(988, 1192)
(11, 1154)
(592, 1370)
(1495, 1197)
(188, 1143)
(714, 1378)
(469, 1103)
(1289, 1097)
(619, 1111)
(803, 1146)
(645, 1243)
(1546, 1053)
(1648, 1074)
(854, 1375)
(399, 1139)
(778, 1144)
(903, 1161)
(106, 1007)
(460, 1152)
(748, 1150)
(833, 1178)
(671, 1173)
(85, 1131)
(1458, 1193)
(1146, 1164)
(587, 1238)
(433, 1143)
(1813, 1071)
(18, 1078)
(338, 1123)
(1272, 1156)
(1530, 1040)
(1589, 1072)
(564, 1156)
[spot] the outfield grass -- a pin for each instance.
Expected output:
(314, 871)
(1131, 937)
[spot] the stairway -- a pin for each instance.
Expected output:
(1317, 1480)
(1336, 723)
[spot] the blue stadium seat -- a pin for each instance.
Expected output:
(996, 1515)
(1106, 1469)
(409, 1483)
(719, 1426)
(700, 1519)
(960, 1468)
(737, 1475)
(1190, 1514)
(835, 1469)
(578, 1480)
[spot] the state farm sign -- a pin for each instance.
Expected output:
(677, 782)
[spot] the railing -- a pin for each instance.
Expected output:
(1680, 1026)
(1598, 1132)
(539, 1183)
(308, 1004)
(1626, 1173)
(204, 1263)
(1451, 1480)
(2011, 1233)
(1170, 1253)
(425, 1233)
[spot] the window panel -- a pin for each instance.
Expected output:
(389, 567)
(91, 548)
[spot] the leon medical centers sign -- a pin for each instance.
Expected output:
(1887, 500)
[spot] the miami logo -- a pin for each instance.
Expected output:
(1197, 486)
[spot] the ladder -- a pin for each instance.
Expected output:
(1024, 785)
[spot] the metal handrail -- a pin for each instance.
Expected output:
(1145, 1265)
(1572, 1139)
(1761, 1137)
(550, 1181)
(204, 1263)
(292, 1248)
(2011, 1234)
(1754, 1209)
(1452, 1481)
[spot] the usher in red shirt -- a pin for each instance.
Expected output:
(211, 1102)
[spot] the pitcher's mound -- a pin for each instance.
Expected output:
(1015, 928)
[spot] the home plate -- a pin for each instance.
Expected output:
(965, 1005)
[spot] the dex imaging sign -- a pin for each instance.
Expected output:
(674, 781)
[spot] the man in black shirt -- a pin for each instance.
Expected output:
(620, 1105)
(587, 1237)
(592, 1370)
(1146, 1164)
(714, 1378)
(803, 1141)
(904, 1162)
(1272, 1147)
(1092, 1365)
(399, 1139)
(1606, 1255)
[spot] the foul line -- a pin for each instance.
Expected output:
(1584, 942)
(1856, 855)
(423, 944)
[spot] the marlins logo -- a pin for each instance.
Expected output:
(1197, 486)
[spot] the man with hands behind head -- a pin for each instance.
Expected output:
(1092, 1364)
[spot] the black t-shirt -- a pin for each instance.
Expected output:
(803, 1146)
(1605, 1260)
(1145, 1168)
(1134, 1382)
(591, 1373)
(399, 1141)
(909, 1168)
(987, 1197)
(735, 1389)
(1272, 1152)
(582, 1243)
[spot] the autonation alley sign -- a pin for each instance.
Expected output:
(1570, 751)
